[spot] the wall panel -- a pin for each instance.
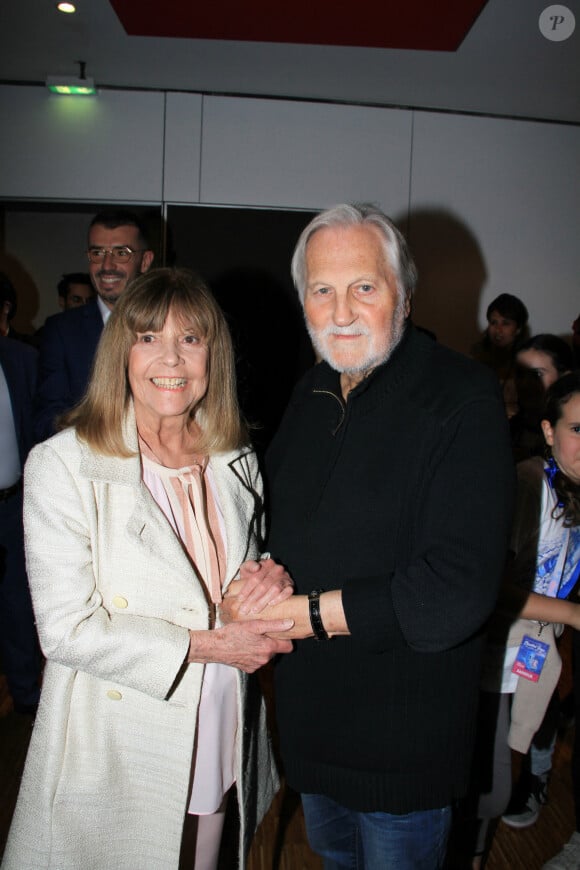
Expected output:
(491, 205)
(107, 148)
(182, 148)
(303, 155)
(495, 207)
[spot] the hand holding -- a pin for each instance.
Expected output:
(263, 584)
(245, 646)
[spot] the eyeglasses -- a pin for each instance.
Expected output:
(119, 254)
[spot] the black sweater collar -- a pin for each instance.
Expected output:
(408, 357)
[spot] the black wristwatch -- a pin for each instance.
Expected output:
(315, 617)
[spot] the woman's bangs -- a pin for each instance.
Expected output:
(184, 305)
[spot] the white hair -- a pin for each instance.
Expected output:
(359, 214)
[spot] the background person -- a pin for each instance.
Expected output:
(75, 289)
(19, 648)
(548, 356)
(543, 574)
(8, 308)
(118, 251)
(540, 361)
(371, 477)
(507, 319)
(137, 518)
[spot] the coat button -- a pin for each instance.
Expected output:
(114, 695)
(120, 602)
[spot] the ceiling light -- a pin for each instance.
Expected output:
(66, 7)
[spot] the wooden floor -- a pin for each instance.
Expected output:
(280, 843)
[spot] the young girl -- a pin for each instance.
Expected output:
(522, 663)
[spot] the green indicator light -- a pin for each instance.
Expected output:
(76, 89)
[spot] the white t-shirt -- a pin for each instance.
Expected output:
(546, 556)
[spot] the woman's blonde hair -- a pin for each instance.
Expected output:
(144, 307)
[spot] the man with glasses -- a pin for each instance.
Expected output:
(118, 251)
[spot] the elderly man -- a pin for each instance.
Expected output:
(391, 488)
(117, 251)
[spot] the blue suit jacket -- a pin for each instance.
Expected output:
(68, 344)
(18, 361)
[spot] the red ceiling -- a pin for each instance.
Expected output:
(425, 25)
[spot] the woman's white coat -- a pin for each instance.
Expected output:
(107, 774)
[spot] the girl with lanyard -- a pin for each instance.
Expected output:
(522, 663)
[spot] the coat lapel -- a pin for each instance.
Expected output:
(241, 507)
(239, 501)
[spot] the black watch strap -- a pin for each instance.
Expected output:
(315, 617)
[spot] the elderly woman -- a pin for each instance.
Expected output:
(138, 515)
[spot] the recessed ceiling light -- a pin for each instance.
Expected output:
(66, 7)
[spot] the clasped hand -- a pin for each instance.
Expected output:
(261, 584)
(245, 641)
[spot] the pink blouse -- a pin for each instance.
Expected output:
(188, 498)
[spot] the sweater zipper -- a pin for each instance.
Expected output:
(341, 405)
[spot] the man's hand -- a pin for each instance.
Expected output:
(296, 608)
(261, 584)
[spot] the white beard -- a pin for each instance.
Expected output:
(379, 347)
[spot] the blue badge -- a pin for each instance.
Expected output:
(530, 658)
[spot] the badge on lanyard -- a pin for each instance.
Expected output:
(530, 658)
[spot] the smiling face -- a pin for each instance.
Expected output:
(502, 331)
(109, 277)
(168, 372)
(564, 438)
(354, 310)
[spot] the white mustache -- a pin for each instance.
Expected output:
(353, 329)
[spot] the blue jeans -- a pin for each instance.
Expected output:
(375, 841)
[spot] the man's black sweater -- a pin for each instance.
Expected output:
(402, 498)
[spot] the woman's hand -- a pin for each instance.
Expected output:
(261, 584)
(242, 645)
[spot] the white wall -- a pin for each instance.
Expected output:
(489, 205)
(104, 148)
(303, 155)
(513, 187)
